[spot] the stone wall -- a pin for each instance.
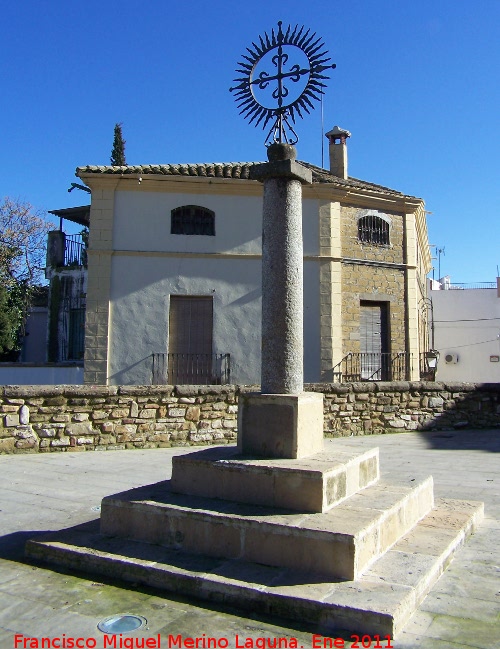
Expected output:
(79, 418)
(379, 407)
(352, 247)
(365, 279)
(55, 418)
(373, 284)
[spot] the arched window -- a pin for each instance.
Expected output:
(192, 219)
(373, 229)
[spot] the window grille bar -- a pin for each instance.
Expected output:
(372, 229)
(192, 219)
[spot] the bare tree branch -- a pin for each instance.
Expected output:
(23, 240)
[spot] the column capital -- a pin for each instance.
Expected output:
(287, 169)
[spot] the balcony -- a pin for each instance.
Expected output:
(368, 366)
(75, 250)
(191, 369)
(66, 250)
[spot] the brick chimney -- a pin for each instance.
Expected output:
(338, 151)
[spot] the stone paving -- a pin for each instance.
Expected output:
(51, 492)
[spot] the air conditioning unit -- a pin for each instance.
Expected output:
(451, 358)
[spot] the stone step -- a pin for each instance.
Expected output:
(313, 484)
(341, 543)
(380, 602)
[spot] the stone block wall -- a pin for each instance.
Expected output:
(80, 418)
(382, 407)
(374, 273)
(376, 284)
(352, 247)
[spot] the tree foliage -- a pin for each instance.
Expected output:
(8, 324)
(23, 240)
(118, 151)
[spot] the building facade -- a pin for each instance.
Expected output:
(174, 276)
(467, 331)
(66, 270)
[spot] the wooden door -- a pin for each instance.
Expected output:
(374, 341)
(190, 340)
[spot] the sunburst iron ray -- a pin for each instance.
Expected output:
(252, 94)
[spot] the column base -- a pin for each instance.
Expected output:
(280, 425)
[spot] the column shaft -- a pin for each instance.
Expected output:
(282, 287)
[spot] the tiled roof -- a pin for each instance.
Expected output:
(208, 170)
(324, 176)
(80, 215)
(233, 170)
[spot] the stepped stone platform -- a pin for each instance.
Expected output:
(312, 484)
(339, 544)
(331, 544)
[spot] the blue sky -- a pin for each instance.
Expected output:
(416, 83)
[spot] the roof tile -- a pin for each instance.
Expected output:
(238, 170)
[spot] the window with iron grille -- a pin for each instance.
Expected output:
(373, 229)
(193, 219)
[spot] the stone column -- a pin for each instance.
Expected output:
(282, 421)
(282, 271)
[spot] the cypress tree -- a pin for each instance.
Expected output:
(118, 151)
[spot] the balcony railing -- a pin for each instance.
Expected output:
(457, 286)
(373, 366)
(75, 251)
(191, 369)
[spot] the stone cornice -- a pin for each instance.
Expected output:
(362, 197)
(249, 255)
(172, 184)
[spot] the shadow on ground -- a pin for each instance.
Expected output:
(480, 440)
(12, 545)
(12, 549)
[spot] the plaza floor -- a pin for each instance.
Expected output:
(60, 490)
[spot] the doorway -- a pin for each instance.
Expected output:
(190, 339)
(374, 341)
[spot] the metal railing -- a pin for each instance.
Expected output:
(75, 250)
(457, 286)
(373, 366)
(191, 369)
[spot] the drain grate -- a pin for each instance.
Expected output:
(123, 623)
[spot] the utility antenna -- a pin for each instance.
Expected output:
(440, 251)
(323, 137)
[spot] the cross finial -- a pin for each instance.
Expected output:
(285, 49)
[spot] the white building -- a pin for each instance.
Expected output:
(174, 275)
(467, 331)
